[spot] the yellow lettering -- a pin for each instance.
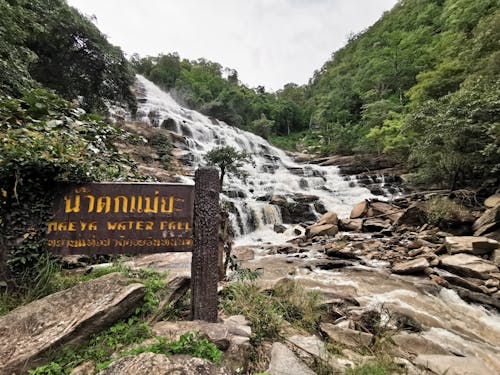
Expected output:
(170, 208)
(149, 225)
(104, 204)
(76, 205)
(153, 209)
(91, 199)
(124, 204)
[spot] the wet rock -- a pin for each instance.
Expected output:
(354, 225)
(279, 228)
(414, 215)
(415, 344)
(348, 337)
(342, 253)
(414, 266)
(66, 317)
(376, 225)
(285, 362)
(470, 245)
(468, 265)
(328, 264)
(458, 281)
(160, 364)
(301, 198)
(276, 199)
(452, 365)
(475, 297)
(359, 210)
(321, 230)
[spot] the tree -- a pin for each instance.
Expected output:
(228, 159)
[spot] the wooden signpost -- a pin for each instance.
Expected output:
(145, 218)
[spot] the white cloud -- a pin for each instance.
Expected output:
(269, 42)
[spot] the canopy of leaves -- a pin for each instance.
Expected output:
(48, 43)
(228, 159)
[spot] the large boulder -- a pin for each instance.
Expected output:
(328, 218)
(322, 230)
(67, 317)
(470, 245)
(354, 225)
(387, 210)
(468, 266)
(160, 364)
(414, 215)
(359, 210)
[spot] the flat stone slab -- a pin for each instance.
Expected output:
(410, 267)
(285, 362)
(348, 337)
(66, 317)
(452, 365)
(470, 245)
(160, 364)
(468, 265)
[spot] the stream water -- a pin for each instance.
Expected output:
(272, 173)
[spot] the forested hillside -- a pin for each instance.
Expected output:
(46, 43)
(422, 83)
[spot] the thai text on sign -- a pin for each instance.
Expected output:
(122, 218)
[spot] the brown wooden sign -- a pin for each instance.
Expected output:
(122, 218)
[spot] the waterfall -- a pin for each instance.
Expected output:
(309, 188)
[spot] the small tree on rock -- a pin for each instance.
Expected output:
(228, 159)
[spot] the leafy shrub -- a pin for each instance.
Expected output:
(442, 212)
(46, 142)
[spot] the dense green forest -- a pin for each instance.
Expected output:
(46, 43)
(421, 84)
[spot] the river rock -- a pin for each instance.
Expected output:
(359, 210)
(414, 215)
(470, 245)
(346, 336)
(285, 362)
(458, 281)
(322, 230)
(411, 267)
(279, 228)
(376, 225)
(160, 364)
(488, 221)
(468, 265)
(495, 257)
(452, 365)
(66, 317)
(416, 344)
(492, 201)
(354, 225)
(243, 253)
(328, 218)
(389, 211)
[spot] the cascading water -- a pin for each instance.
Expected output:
(272, 173)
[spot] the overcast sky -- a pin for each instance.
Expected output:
(269, 42)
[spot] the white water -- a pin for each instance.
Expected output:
(273, 172)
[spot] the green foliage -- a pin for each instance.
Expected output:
(422, 83)
(372, 368)
(46, 142)
(292, 142)
(205, 86)
(189, 343)
(50, 43)
(266, 312)
(228, 159)
(442, 211)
